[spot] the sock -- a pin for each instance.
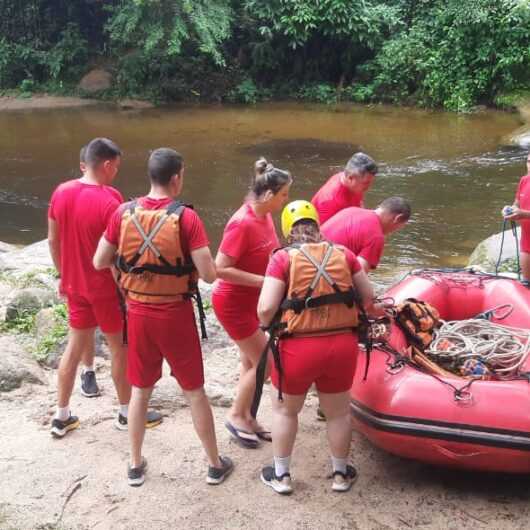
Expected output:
(62, 413)
(281, 465)
(339, 464)
(89, 368)
(124, 409)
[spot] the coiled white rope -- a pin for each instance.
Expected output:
(503, 349)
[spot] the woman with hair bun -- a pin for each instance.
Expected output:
(248, 240)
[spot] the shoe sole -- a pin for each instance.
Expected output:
(61, 433)
(89, 395)
(338, 490)
(271, 485)
(122, 427)
(216, 481)
(135, 482)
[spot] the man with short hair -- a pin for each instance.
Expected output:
(160, 246)
(346, 188)
(363, 231)
(78, 213)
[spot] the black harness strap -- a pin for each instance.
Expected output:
(300, 304)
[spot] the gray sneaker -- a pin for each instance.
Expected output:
(89, 385)
(216, 475)
(281, 485)
(344, 481)
(136, 475)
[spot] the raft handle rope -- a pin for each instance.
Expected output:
(513, 228)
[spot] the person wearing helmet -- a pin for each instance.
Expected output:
(310, 301)
(248, 240)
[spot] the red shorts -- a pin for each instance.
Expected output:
(170, 335)
(525, 237)
(90, 312)
(237, 312)
(328, 361)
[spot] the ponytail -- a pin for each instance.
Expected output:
(268, 178)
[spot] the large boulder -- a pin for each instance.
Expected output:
(33, 258)
(96, 80)
(134, 104)
(486, 253)
(6, 247)
(29, 300)
(16, 366)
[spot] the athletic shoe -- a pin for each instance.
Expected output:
(216, 475)
(344, 481)
(61, 428)
(136, 475)
(89, 385)
(152, 419)
(281, 485)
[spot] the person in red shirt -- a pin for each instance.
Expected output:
(521, 213)
(248, 240)
(161, 325)
(327, 360)
(346, 188)
(363, 231)
(78, 213)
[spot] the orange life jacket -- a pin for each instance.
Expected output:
(320, 296)
(418, 320)
(152, 266)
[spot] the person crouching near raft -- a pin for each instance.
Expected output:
(248, 240)
(520, 211)
(346, 188)
(310, 297)
(78, 214)
(159, 247)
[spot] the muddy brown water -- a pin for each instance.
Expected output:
(452, 168)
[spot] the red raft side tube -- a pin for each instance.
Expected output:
(412, 414)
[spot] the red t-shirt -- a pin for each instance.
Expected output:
(279, 264)
(82, 212)
(192, 236)
(333, 196)
(360, 231)
(249, 240)
(523, 198)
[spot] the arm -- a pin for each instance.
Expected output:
(270, 298)
(227, 271)
(364, 264)
(203, 261)
(54, 242)
(105, 255)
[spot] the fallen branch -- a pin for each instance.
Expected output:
(73, 488)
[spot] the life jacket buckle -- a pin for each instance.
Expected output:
(307, 302)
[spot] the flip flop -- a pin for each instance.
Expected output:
(266, 436)
(244, 438)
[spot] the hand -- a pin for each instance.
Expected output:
(515, 215)
(379, 309)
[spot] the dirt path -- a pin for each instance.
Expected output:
(84, 475)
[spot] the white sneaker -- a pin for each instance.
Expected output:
(281, 485)
(344, 481)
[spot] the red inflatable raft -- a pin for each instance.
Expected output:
(448, 420)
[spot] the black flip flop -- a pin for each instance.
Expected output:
(240, 436)
(266, 436)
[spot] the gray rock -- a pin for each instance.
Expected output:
(29, 300)
(96, 80)
(6, 247)
(33, 258)
(16, 366)
(486, 254)
(134, 104)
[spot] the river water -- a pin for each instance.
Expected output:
(452, 168)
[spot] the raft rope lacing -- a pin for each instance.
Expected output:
(503, 349)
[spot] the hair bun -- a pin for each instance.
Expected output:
(261, 165)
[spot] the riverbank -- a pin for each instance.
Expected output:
(79, 482)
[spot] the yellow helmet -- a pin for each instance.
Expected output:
(296, 211)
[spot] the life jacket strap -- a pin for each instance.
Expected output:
(300, 304)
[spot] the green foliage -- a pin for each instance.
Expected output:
(23, 323)
(244, 92)
(321, 93)
(56, 335)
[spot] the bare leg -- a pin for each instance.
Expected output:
(336, 407)
(119, 367)
(251, 349)
(88, 357)
(525, 265)
(285, 422)
(201, 414)
(136, 422)
(79, 340)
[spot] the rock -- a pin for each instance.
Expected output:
(29, 300)
(6, 247)
(486, 254)
(134, 104)
(16, 366)
(33, 258)
(45, 322)
(96, 80)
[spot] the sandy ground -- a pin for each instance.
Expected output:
(43, 101)
(80, 482)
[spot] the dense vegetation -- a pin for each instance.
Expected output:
(443, 53)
